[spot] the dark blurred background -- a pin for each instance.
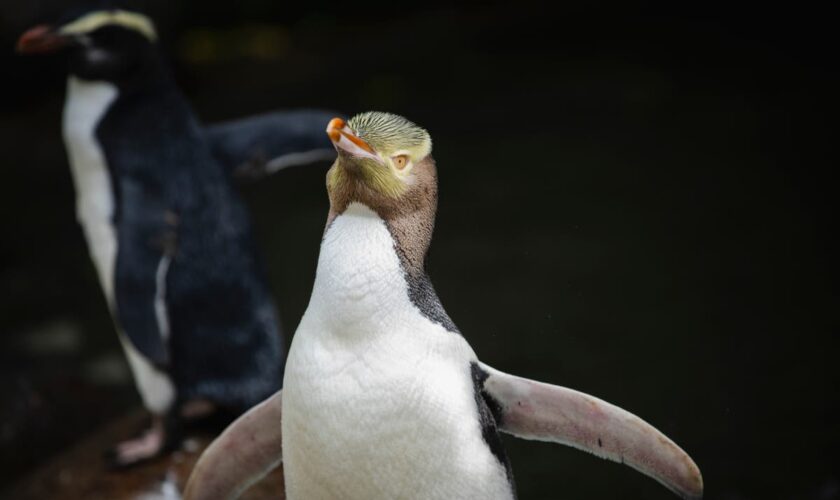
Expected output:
(633, 204)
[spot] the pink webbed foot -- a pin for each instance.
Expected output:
(151, 443)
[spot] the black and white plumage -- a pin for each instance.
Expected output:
(383, 397)
(169, 236)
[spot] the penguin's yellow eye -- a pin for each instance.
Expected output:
(400, 161)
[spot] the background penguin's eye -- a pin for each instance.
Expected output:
(400, 161)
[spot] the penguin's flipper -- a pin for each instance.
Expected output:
(544, 412)
(247, 451)
(260, 145)
(147, 241)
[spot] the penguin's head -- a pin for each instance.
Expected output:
(384, 162)
(103, 44)
(382, 154)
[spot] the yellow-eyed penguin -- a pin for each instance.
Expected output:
(383, 397)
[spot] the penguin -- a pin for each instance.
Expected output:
(383, 396)
(169, 237)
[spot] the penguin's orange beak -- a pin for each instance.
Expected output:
(40, 39)
(346, 141)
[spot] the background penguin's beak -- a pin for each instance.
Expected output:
(346, 141)
(40, 39)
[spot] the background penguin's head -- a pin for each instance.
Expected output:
(101, 44)
(383, 160)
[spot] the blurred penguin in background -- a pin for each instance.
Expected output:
(170, 238)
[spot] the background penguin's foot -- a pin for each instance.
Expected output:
(165, 433)
(151, 443)
(197, 408)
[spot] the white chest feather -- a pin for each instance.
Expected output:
(84, 107)
(378, 400)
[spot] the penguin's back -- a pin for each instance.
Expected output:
(379, 400)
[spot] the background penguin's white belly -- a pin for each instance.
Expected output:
(378, 400)
(85, 105)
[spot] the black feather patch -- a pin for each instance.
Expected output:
(490, 416)
(422, 294)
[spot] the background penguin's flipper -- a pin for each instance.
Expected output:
(147, 238)
(544, 412)
(261, 145)
(247, 451)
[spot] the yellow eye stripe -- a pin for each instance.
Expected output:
(95, 20)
